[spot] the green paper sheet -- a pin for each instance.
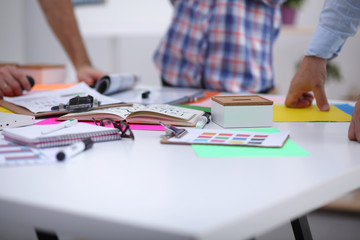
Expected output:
(289, 149)
(205, 109)
(309, 114)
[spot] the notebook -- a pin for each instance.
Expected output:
(32, 135)
(144, 114)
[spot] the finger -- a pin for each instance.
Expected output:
(2, 94)
(88, 80)
(321, 99)
(351, 132)
(299, 100)
(14, 85)
(4, 86)
(292, 99)
(356, 125)
(309, 97)
(21, 78)
(357, 131)
(10, 85)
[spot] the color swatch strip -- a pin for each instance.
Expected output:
(12, 154)
(230, 138)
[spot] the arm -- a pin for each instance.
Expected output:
(338, 21)
(12, 82)
(61, 18)
(354, 129)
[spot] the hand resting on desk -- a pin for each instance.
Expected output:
(88, 74)
(311, 76)
(12, 82)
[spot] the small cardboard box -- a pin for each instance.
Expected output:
(242, 111)
(45, 73)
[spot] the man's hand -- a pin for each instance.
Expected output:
(89, 75)
(310, 76)
(12, 82)
(354, 129)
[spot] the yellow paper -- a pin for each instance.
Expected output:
(2, 109)
(310, 114)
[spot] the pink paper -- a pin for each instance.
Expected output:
(48, 121)
(205, 103)
(150, 127)
(147, 127)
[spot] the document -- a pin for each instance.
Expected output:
(38, 102)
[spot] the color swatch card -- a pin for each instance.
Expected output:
(13, 154)
(230, 138)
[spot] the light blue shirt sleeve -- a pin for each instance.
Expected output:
(338, 21)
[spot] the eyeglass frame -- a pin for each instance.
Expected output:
(118, 126)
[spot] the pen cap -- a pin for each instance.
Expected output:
(31, 80)
(88, 143)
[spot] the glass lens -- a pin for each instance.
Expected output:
(107, 123)
(126, 131)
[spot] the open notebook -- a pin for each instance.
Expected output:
(33, 136)
(144, 114)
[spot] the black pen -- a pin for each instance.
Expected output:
(74, 149)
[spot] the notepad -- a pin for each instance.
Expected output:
(144, 114)
(33, 137)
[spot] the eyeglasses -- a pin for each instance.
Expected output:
(125, 131)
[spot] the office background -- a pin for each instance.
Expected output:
(122, 35)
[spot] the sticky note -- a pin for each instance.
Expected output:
(309, 114)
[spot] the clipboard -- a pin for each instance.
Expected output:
(22, 110)
(39, 104)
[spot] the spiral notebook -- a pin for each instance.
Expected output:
(32, 136)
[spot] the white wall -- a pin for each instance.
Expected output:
(11, 31)
(124, 34)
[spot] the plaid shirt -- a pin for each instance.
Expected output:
(223, 45)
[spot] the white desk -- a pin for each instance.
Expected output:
(146, 190)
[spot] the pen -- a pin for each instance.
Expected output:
(145, 94)
(55, 127)
(74, 149)
(203, 120)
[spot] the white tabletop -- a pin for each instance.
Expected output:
(132, 189)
